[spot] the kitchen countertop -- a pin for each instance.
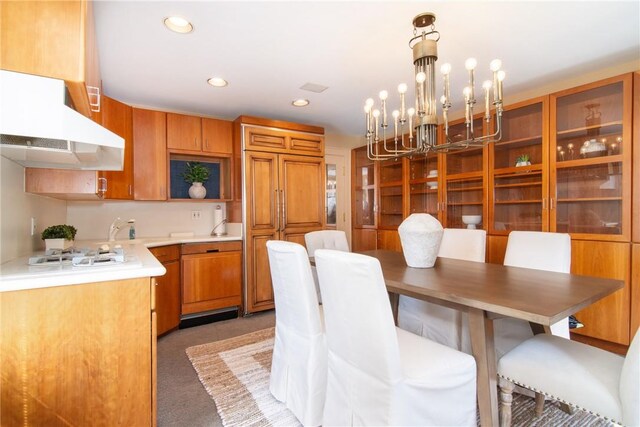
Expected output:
(16, 275)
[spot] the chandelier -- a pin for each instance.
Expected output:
(422, 121)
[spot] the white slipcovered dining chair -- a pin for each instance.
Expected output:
(433, 321)
(540, 251)
(299, 361)
(379, 374)
(603, 383)
(324, 239)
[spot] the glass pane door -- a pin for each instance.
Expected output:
(391, 195)
(517, 174)
(589, 147)
(364, 183)
(423, 184)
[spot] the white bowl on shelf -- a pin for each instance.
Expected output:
(432, 173)
(472, 221)
(432, 185)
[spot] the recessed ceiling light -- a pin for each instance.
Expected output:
(178, 24)
(300, 102)
(217, 82)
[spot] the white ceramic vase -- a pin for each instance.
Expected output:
(420, 236)
(60, 244)
(197, 191)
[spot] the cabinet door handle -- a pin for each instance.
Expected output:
(544, 203)
(552, 203)
(277, 210)
(284, 209)
(93, 93)
(102, 187)
(130, 189)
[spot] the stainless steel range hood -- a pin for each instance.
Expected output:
(38, 129)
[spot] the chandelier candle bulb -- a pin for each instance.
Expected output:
(367, 115)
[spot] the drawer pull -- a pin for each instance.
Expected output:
(212, 250)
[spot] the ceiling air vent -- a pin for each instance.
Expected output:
(313, 87)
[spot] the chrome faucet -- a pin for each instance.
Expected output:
(116, 226)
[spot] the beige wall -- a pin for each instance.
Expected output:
(16, 210)
(153, 219)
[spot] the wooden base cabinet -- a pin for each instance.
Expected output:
(78, 355)
(168, 288)
(609, 318)
(211, 276)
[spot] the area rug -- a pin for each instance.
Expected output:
(235, 373)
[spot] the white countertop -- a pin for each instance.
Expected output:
(16, 275)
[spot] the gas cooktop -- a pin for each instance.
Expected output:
(79, 257)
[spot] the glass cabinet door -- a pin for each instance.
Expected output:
(591, 157)
(423, 185)
(364, 189)
(391, 194)
(516, 172)
(464, 180)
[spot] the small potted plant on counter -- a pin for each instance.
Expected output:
(59, 236)
(523, 160)
(196, 174)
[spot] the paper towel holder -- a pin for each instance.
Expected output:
(215, 233)
(223, 230)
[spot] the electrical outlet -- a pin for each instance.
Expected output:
(33, 226)
(195, 214)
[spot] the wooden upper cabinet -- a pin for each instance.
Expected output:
(118, 118)
(199, 135)
(149, 155)
(217, 136)
(277, 136)
(184, 132)
(635, 212)
(53, 39)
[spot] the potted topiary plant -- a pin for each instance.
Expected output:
(523, 160)
(59, 236)
(196, 174)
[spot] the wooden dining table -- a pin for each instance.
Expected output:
(489, 291)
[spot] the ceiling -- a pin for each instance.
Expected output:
(268, 50)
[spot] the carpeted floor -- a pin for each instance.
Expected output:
(182, 401)
(235, 372)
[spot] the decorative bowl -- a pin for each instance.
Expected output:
(472, 220)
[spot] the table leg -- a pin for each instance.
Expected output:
(482, 346)
(394, 299)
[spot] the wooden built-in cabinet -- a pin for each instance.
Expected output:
(192, 134)
(168, 288)
(287, 201)
(91, 185)
(79, 355)
(582, 145)
(284, 195)
(149, 155)
(211, 276)
(54, 39)
(118, 118)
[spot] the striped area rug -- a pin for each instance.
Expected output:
(235, 373)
